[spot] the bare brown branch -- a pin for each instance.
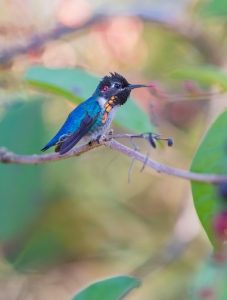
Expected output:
(192, 32)
(13, 158)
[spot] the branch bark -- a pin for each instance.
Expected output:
(13, 158)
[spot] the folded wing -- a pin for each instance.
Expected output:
(69, 142)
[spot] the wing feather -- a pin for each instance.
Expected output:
(76, 136)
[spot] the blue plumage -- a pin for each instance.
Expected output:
(74, 120)
(93, 117)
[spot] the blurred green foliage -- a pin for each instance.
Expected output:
(210, 158)
(115, 288)
(215, 8)
(22, 192)
(205, 75)
(20, 186)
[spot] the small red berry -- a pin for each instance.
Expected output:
(220, 225)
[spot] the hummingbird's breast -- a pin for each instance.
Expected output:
(108, 110)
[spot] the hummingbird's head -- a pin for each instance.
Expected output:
(116, 85)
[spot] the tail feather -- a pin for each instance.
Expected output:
(48, 145)
(45, 148)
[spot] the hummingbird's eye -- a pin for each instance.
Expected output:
(117, 85)
(105, 88)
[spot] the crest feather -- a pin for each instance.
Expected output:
(114, 77)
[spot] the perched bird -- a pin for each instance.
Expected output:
(92, 118)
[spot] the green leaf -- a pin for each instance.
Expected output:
(114, 288)
(77, 85)
(42, 248)
(214, 8)
(210, 158)
(23, 193)
(22, 131)
(206, 75)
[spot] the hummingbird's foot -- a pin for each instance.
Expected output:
(101, 138)
(90, 143)
(111, 132)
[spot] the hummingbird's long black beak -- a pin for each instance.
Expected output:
(136, 86)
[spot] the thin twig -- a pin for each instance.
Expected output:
(130, 170)
(135, 148)
(145, 162)
(149, 136)
(13, 158)
(162, 168)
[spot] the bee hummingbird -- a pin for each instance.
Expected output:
(93, 117)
